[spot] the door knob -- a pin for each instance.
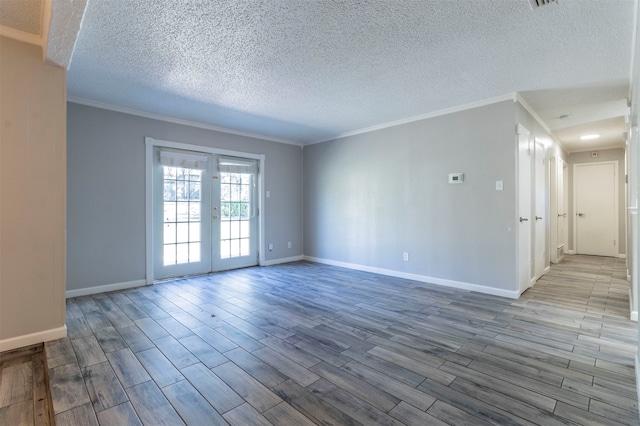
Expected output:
(523, 219)
(581, 214)
(538, 217)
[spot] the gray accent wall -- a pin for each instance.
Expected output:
(617, 154)
(106, 191)
(371, 197)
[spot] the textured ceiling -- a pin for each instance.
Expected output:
(306, 71)
(22, 15)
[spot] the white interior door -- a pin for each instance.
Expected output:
(596, 208)
(561, 216)
(540, 209)
(524, 209)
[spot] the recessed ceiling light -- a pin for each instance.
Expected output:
(589, 137)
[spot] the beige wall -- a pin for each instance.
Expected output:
(32, 196)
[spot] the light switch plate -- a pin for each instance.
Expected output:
(499, 185)
(456, 177)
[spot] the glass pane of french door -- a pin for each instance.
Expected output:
(235, 227)
(182, 238)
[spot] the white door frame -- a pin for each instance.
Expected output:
(616, 201)
(523, 188)
(150, 144)
(554, 211)
(540, 196)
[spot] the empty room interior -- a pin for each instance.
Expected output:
(298, 212)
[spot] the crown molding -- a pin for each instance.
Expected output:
(446, 111)
(541, 122)
(168, 119)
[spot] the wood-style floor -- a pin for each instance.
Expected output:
(24, 393)
(305, 343)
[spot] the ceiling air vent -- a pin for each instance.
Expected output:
(537, 3)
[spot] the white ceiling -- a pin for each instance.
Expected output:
(310, 70)
(22, 15)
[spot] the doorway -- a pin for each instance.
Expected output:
(595, 189)
(202, 210)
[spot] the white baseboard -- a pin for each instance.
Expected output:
(422, 278)
(633, 313)
(33, 338)
(104, 288)
(282, 260)
(570, 252)
(547, 269)
(621, 256)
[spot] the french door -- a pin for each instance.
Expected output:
(204, 212)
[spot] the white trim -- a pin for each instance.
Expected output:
(33, 338)
(47, 10)
(621, 256)
(530, 110)
(541, 122)
(446, 111)
(547, 270)
(421, 278)
(87, 291)
(282, 260)
(616, 201)
(570, 252)
(634, 34)
(150, 144)
(638, 377)
(168, 119)
(21, 36)
(261, 216)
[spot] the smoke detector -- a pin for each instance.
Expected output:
(537, 3)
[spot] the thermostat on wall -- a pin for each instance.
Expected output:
(456, 177)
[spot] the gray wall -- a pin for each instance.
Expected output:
(368, 198)
(106, 191)
(603, 155)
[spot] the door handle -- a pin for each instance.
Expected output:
(538, 217)
(562, 215)
(581, 214)
(215, 216)
(523, 219)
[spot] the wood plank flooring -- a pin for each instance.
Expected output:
(24, 393)
(304, 343)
